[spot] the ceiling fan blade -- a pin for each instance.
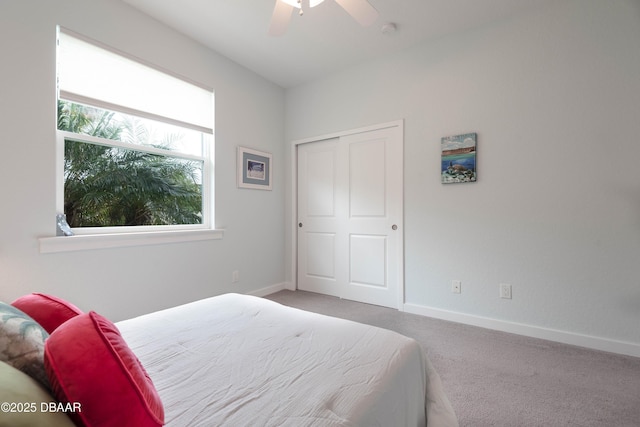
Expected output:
(360, 10)
(280, 18)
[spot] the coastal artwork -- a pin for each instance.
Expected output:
(459, 158)
(254, 169)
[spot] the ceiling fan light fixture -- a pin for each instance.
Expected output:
(298, 3)
(294, 3)
(360, 10)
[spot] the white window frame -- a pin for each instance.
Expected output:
(108, 237)
(62, 136)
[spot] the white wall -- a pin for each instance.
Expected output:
(121, 283)
(554, 96)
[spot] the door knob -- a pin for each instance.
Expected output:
(300, 224)
(394, 227)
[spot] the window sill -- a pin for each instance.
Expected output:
(120, 240)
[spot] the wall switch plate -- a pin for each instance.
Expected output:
(456, 286)
(505, 290)
(235, 277)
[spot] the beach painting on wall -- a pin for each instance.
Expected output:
(459, 158)
(254, 169)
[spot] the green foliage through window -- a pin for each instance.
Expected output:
(114, 186)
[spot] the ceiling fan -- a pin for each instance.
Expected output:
(360, 10)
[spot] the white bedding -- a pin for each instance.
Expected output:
(237, 360)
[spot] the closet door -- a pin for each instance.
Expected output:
(320, 218)
(350, 239)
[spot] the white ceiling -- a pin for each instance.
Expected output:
(325, 39)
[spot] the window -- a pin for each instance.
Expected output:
(134, 143)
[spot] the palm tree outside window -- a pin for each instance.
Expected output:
(125, 166)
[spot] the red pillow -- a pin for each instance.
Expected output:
(49, 311)
(90, 365)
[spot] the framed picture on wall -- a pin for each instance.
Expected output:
(459, 158)
(254, 169)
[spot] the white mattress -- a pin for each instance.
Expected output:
(237, 360)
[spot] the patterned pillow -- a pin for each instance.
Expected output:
(22, 343)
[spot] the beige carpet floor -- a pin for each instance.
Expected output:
(498, 379)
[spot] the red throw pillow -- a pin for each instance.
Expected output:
(49, 311)
(90, 365)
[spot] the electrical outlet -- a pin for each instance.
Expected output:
(235, 277)
(456, 286)
(505, 290)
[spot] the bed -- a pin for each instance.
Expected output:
(266, 364)
(238, 360)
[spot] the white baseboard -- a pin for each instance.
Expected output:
(592, 342)
(269, 290)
